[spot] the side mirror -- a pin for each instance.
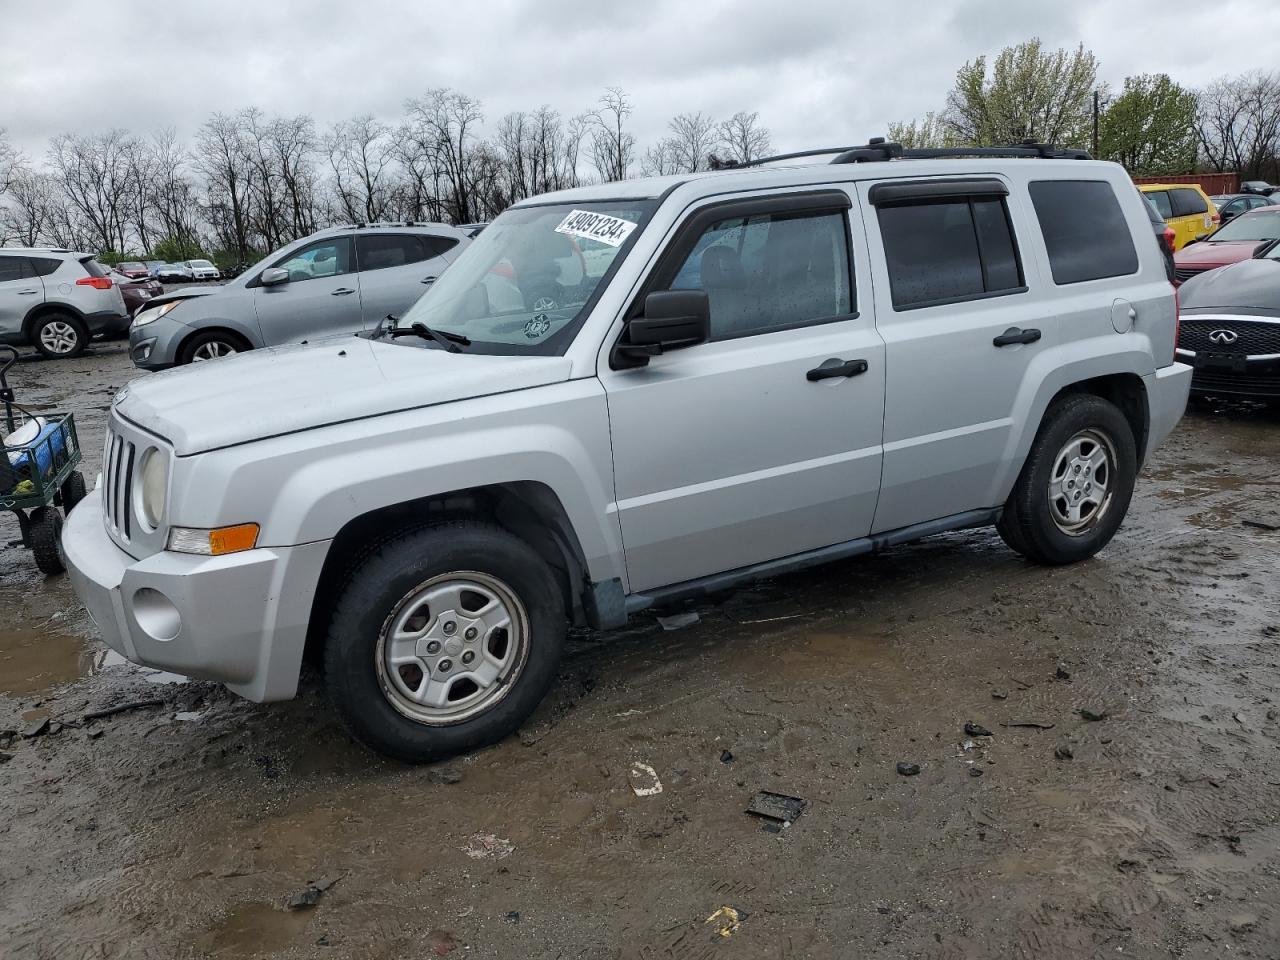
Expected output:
(274, 275)
(672, 320)
(1228, 215)
(1195, 239)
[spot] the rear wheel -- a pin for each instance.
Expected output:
(212, 345)
(45, 530)
(73, 490)
(1074, 490)
(444, 639)
(58, 335)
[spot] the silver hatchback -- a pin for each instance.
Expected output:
(339, 280)
(57, 300)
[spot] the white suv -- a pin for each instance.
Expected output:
(628, 394)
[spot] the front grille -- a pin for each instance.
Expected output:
(1184, 274)
(1254, 337)
(117, 485)
(1235, 384)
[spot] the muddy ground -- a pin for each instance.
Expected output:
(181, 830)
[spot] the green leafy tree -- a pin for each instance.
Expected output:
(173, 249)
(930, 133)
(1031, 93)
(1151, 127)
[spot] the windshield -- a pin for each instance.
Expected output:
(1251, 226)
(525, 285)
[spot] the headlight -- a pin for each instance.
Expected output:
(152, 314)
(152, 488)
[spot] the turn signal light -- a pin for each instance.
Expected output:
(214, 543)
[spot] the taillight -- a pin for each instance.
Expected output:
(98, 283)
(1170, 237)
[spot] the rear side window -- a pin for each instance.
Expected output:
(438, 245)
(947, 251)
(14, 268)
(45, 266)
(94, 268)
(1085, 232)
(1187, 203)
(379, 251)
(1161, 199)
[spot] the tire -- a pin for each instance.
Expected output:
(1055, 515)
(463, 568)
(59, 336)
(73, 491)
(211, 345)
(45, 531)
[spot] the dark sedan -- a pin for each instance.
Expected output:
(1231, 205)
(136, 291)
(1230, 330)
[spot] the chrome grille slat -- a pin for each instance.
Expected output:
(126, 515)
(121, 457)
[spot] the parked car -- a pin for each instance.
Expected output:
(1232, 205)
(57, 300)
(340, 280)
(136, 292)
(1164, 235)
(776, 367)
(1185, 207)
(1257, 186)
(153, 267)
(174, 273)
(203, 270)
(133, 269)
(1230, 330)
(1230, 243)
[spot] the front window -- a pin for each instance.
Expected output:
(526, 284)
(324, 258)
(1251, 226)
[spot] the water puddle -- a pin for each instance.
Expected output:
(252, 929)
(35, 661)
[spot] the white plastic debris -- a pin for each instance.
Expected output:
(644, 780)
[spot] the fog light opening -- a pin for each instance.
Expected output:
(156, 614)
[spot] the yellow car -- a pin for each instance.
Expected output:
(1185, 207)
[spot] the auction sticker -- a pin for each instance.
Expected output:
(596, 226)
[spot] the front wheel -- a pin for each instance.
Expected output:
(1074, 490)
(45, 531)
(213, 345)
(444, 639)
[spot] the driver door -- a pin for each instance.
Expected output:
(321, 298)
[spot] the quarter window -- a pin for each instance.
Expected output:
(770, 272)
(949, 250)
(1085, 232)
(324, 258)
(1161, 199)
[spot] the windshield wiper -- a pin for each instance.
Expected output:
(453, 342)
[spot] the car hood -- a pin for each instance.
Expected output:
(1249, 285)
(1207, 254)
(278, 390)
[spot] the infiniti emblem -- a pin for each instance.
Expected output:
(1224, 337)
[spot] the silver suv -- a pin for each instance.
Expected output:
(630, 394)
(57, 300)
(339, 280)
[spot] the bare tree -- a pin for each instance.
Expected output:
(612, 146)
(693, 135)
(172, 194)
(30, 206)
(441, 132)
(742, 138)
(95, 174)
(1238, 124)
(10, 161)
(222, 157)
(660, 159)
(361, 158)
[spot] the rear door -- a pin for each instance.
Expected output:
(738, 450)
(20, 290)
(960, 333)
(1191, 215)
(321, 297)
(396, 269)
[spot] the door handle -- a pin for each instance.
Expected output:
(428, 279)
(1016, 335)
(27, 293)
(342, 292)
(831, 369)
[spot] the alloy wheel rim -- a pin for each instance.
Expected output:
(212, 350)
(1081, 483)
(59, 337)
(452, 648)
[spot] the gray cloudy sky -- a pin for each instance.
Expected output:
(818, 71)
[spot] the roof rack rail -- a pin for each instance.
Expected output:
(879, 149)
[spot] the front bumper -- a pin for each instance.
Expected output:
(107, 322)
(154, 345)
(239, 619)
(1229, 376)
(1167, 392)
